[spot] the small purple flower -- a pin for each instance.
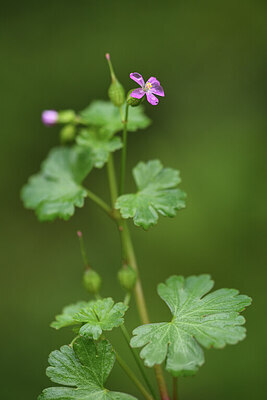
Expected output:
(151, 87)
(49, 117)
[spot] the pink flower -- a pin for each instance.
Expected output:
(150, 88)
(49, 117)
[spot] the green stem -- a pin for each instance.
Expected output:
(124, 150)
(99, 202)
(112, 180)
(174, 388)
(129, 254)
(127, 298)
(129, 257)
(137, 360)
(133, 378)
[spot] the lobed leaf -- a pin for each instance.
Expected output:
(83, 371)
(101, 315)
(66, 318)
(95, 317)
(210, 321)
(157, 194)
(99, 143)
(56, 190)
(106, 116)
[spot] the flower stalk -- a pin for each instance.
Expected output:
(124, 150)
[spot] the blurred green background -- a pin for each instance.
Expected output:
(210, 57)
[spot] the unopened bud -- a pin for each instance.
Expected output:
(67, 133)
(132, 101)
(66, 116)
(127, 277)
(92, 281)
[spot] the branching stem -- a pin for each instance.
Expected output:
(101, 203)
(133, 378)
(129, 258)
(137, 360)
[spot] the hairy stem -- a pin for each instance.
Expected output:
(174, 388)
(137, 360)
(133, 378)
(124, 149)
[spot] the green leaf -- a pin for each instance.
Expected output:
(210, 321)
(106, 116)
(99, 143)
(156, 194)
(96, 316)
(101, 315)
(82, 371)
(56, 190)
(66, 318)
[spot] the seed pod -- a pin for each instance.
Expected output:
(66, 116)
(116, 93)
(133, 101)
(127, 277)
(92, 281)
(67, 133)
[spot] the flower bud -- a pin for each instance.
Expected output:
(92, 281)
(116, 93)
(67, 133)
(127, 277)
(66, 116)
(132, 101)
(49, 117)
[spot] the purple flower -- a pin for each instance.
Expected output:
(150, 88)
(49, 117)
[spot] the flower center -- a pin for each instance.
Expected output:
(148, 85)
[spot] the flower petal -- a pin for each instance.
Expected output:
(137, 78)
(157, 89)
(153, 80)
(137, 93)
(152, 99)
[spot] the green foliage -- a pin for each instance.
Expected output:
(96, 316)
(157, 193)
(106, 116)
(100, 143)
(56, 190)
(212, 321)
(82, 371)
(66, 318)
(99, 316)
